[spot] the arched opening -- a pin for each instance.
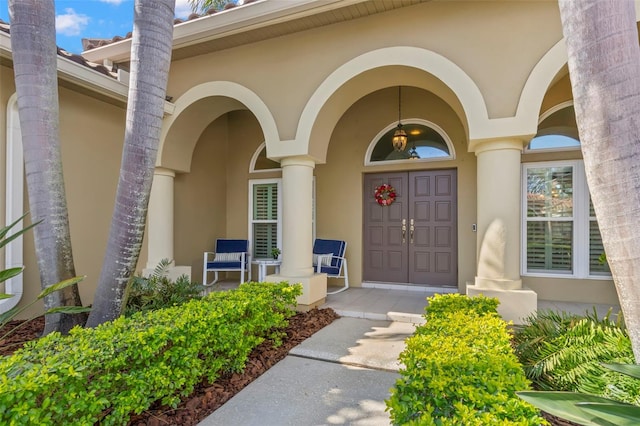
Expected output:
(557, 130)
(425, 142)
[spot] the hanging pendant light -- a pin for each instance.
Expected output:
(400, 136)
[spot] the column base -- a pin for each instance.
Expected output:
(515, 305)
(314, 289)
(498, 283)
(172, 273)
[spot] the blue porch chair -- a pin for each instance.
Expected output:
(230, 255)
(329, 258)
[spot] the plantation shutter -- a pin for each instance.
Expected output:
(264, 219)
(596, 249)
(550, 219)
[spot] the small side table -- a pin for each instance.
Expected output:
(262, 267)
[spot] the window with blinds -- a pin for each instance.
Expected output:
(265, 217)
(550, 219)
(560, 232)
(597, 266)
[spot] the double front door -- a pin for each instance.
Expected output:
(414, 239)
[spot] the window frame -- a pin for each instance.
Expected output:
(581, 222)
(543, 117)
(426, 123)
(251, 221)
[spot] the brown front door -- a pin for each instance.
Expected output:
(414, 240)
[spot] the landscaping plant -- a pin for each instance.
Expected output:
(158, 291)
(105, 374)
(7, 274)
(565, 352)
(459, 369)
(586, 409)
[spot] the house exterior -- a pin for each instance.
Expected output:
(278, 129)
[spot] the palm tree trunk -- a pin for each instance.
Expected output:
(150, 60)
(604, 67)
(33, 42)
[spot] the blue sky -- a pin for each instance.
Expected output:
(77, 19)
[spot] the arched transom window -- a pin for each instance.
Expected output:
(425, 142)
(557, 130)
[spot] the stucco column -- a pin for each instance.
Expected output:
(160, 218)
(297, 232)
(498, 186)
(499, 204)
(297, 216)
(159, 231)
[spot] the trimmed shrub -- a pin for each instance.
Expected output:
(441, 304)
(460, 369)
(121, 367)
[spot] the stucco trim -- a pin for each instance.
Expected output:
(14, 202)
(227, 89)
(538, 83)
(433, 63)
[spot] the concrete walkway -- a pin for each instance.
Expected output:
(343, 373)
(340, 375)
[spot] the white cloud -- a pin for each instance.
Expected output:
(116, 2)
(71, 23)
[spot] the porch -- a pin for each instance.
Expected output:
(407, 304)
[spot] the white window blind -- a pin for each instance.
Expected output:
(550, 219)
(560, 231)
(265, 217)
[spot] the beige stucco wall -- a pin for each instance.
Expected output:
(212, 200)
(496, 44)
(91, 136)
(285, 71)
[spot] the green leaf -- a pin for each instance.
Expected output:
(5, 296)
(68, 310)
(621, 415)
(8, 315)
(563, 405)
(6, 229)
(632, 370)
(10, 273)
(60, 286)
(4, 240)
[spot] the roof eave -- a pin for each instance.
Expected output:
(84, 77)
(225, 23)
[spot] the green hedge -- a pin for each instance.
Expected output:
(460, 369)
(122, 367)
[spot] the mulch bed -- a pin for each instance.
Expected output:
(207, 397)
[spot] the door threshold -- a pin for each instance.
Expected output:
(410, 287)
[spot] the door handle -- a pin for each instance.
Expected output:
(404, 230)
(411, 229)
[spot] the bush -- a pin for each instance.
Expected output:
(565, 352)
(441, 304)
(106, 373)
(460, 369)
(157, 291)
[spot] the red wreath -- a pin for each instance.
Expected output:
(385, 194)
